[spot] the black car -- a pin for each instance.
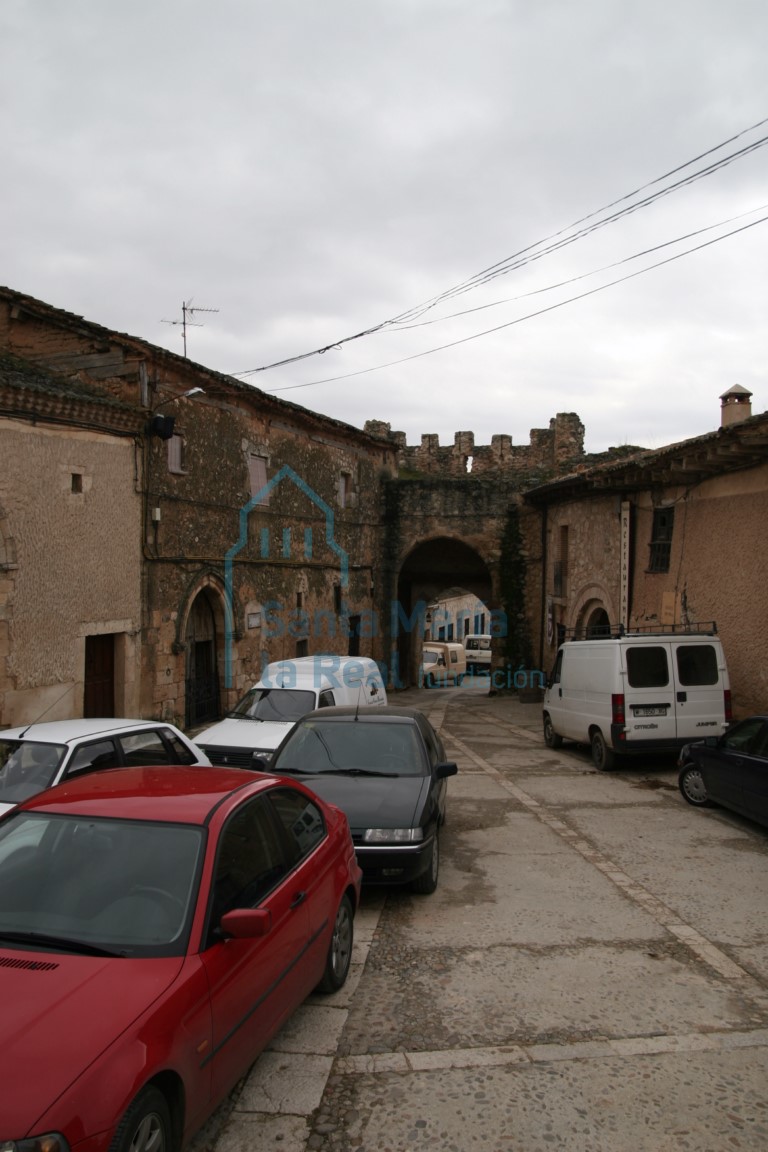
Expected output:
(731, 770)
(386, 769)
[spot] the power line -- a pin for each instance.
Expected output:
(529, 254)
(521, 319)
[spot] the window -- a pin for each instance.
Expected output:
(77, 483)
(745, 737)
(661, 539)
(647, 667)
(143, 748)
(345, 489)
(257, 474)
(697, 664)
(251, 860)
(89, 757)
(176, 454)
(302, 820)
(560, 572)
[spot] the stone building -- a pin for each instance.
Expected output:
(669, 537)
(166, 530)
(196, 525)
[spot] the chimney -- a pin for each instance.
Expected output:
(736, 405)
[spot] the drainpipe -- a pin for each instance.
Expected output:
(543, 614)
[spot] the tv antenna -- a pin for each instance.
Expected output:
(188, 310)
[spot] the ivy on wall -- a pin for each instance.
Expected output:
(512, 580)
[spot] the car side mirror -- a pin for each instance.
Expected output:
(450, 768)
(260, 763)
(246, 923)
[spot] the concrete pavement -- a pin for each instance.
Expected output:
(591, 974)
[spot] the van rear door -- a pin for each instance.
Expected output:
(700, 683)
(649, 693)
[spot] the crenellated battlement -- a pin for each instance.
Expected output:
(551, 451)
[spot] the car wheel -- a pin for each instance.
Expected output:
(429, 680)
(603, 757)
(427, 882)
(693, 788)
(339, 950)
(145, 1126)
(551, 738)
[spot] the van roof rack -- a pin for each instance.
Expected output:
(616, 631)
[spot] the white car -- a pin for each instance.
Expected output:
(36, 756)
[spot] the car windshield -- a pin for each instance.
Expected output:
(318, 746)
(26, 768)
(280, 704)
(430, 657)
(87, 884)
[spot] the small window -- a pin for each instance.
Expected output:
(302, 820)
(143, 748)
(176, 454)
(647, 667)
(77, 483)
(326, 699)
(697, 664)
(345, 489)
(179, 751)
(661, 539)
(89, 757)
(302, 647)
(257, 473)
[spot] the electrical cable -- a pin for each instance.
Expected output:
(506, 265)
(520, 319)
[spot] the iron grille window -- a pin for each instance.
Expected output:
(661, 539)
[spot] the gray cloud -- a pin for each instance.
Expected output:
(312, 169)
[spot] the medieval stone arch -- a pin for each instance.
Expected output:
(592, 612)
(430, 567)
(200, 643)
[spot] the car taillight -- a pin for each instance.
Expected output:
(617, 707)
(727, 703)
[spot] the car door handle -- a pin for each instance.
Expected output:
(299, 898)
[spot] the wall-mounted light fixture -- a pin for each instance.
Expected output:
(162, 426)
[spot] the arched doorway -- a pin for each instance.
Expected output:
(597, 624)
(202, 675)
(431, 569)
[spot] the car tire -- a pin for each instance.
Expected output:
(427, 882)
(551, 738)
(692, 786)
(603, 757)
(429, 680)
(339, 956)
(145, 1125)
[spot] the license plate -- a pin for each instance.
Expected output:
(647, 711)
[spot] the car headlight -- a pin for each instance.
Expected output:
(390, 836)
(51, 1142)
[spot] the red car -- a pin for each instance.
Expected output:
(157, 927)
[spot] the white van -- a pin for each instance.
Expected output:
(442, 663)
(638, 692)
(287, 690)
(478, 652)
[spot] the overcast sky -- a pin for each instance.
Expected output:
(312, 169)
